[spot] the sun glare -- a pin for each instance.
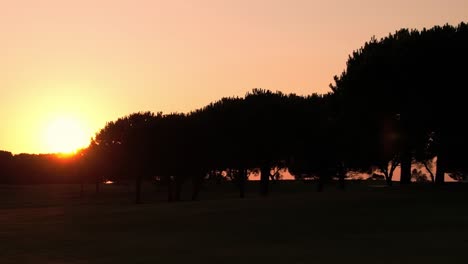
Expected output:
(65, 135)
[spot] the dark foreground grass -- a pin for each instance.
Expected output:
(364, 224)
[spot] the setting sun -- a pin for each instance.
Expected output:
(65, 135)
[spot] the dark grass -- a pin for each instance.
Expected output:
(295, 224)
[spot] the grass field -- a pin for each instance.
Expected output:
(295, 224)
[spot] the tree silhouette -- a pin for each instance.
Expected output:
(400, 101)
(126, 141)
(402, 76)
(6, 160)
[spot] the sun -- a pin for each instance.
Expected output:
(65, 135)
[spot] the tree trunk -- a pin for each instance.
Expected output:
(170, 189)
(388, 180)
(406, 156)
(388, 176)
(320, 183)
(264, 180)
(405, 176)
(430, 172)
(341, 176)
(441, 167)
(341, 183)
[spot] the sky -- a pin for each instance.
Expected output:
(68, 67)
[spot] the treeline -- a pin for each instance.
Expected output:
(400, 100)
(37, 169)
(262, 131)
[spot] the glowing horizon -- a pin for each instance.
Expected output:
(95, 61)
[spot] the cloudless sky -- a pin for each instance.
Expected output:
(96, 60)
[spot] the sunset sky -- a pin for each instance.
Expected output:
(67, 67)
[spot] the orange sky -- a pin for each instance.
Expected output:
(95, 60)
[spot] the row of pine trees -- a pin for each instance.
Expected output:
(400, 100)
